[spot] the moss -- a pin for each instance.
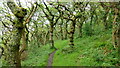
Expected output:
(19, 12)
(18, 23)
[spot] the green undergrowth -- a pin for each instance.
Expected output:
(96, 50)
(37, 56)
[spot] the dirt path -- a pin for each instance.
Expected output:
(50, 59)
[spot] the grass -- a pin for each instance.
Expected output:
(37, 56)
(96, 50)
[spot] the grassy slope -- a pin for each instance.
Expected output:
(89, 51)
(96, 50)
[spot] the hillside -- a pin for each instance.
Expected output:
(96, 50)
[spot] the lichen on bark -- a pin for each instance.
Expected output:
(16, 36)
(19, 12)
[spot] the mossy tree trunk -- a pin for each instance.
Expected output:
(19, 12)
(119, 34)
(61, 32)
(51, 35)
(105, 20)
(24, 42)
(80, 24)
(116, 29)
(52, 19)
(66, 31)
(119, 45)
(80, 29)
(15, 44)
(61, 29)
(46, 37)
(106, 11)
(71, 33)
(18, 31)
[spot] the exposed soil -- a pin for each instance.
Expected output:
(50, 59)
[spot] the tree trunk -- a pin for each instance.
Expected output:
(46, 37)
(71, 33)
(118, 44)
(106, 10)
(15, 44)
(118, 37)
(80, 29)
(66, 31)
(27, 38)
(24, 45)
(105, 21)
(115, 35)
(61, 32)
(51, 35)
(18, 27)
(115, 32)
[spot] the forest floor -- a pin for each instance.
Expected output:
(50, 59)
(96, 50)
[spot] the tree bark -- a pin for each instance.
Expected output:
(115, 30)
(61, 29)
(51, 35)
(71, 33)
(18, 27)
(46, 37)
(80, 29)
(66, 31)
(23, 42)
(105, 21)
(119, 44)
(61, 32)
(15, 44)
(106, 10)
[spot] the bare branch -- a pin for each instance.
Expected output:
(47, 9)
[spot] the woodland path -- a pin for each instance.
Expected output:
(50, 59)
